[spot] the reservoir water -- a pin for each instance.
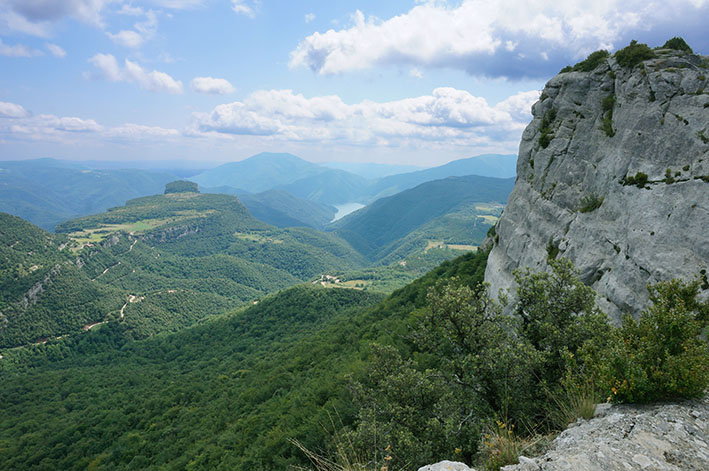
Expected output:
(345, 209)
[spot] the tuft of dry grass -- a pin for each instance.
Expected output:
(502, 446)
(345, 458)
(576, 400)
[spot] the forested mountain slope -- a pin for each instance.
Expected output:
(283, 209)
(228, 394)
(43, 291)
(389, 223)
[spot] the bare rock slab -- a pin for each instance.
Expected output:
(664, 437)
(446, 466)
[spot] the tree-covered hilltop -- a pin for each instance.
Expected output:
(161, 263)
(157, 264)
(181, 186)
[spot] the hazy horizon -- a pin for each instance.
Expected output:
(204, 164)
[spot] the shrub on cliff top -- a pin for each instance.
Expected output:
(590, 63)
(633, 54)
(677, 44)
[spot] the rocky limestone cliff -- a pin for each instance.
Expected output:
(581, 192)
(660, 437)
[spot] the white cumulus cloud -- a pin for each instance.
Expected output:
(143, 30)
(126, 38)
(245, 7)
(17, 50)
(56, 51)
(17, 124)
(214, 86)
(12, 110)
(139, 132)
(36, 17)
(132, 72)
(448, 115)
(501, 38)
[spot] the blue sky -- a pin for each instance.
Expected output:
(408, 82)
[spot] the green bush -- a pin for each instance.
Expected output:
(491, 232)
(660, 356)
(552, 249)
(668, 176)
(558, 315)
(633, 54)
(640, 179)
(590, 63)
(703, 137)
(677, 44)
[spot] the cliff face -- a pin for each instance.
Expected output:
(613, 173)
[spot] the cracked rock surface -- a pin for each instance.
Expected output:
(656, 123)
(660, 437)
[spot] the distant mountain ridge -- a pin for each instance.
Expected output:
(258, 173)
(372, 170)
(48, 191)
(331, 186)
(487, 165)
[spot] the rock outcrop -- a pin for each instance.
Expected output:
(658, 437)
(662, 437)
(446, 466)
(613, 173)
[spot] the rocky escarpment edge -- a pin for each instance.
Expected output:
(661, 437)
(658, 437)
